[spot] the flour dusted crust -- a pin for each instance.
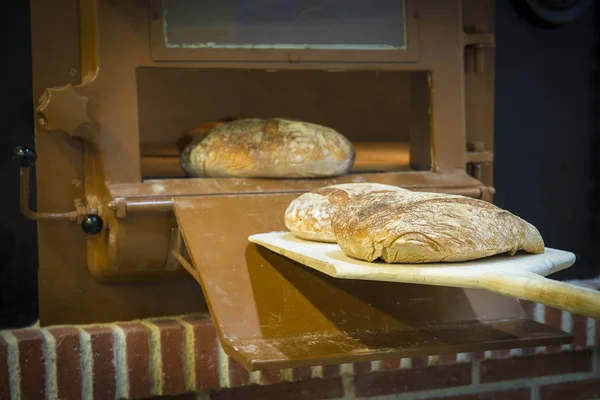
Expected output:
(272, 148)
(309, 215)
(429, 227)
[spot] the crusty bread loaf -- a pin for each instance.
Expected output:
(197, 131)
(309, 215)
(429, 227)
(273, 148)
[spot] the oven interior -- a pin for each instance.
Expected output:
(370, 108)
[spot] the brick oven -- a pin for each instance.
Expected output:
(149, 287)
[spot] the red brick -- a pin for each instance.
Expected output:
(303, 390)
(529, 351)
(137, 340)
(419, 362)
(301, 373)
(68, 362)
(553, 317)
(447, 359)
(171, 349)
(103, 371)
(575, 390)
(331, 371)
(361, 368)
(207, 358)
(31, 360)
(409, 380)
(269, 377)
(391, 364)
(528, 308)
(579, 331)
(238, 376)
(514, 394)
(499, 354)
(531, 366)
(4, 377)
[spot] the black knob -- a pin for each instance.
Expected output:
(92, 224)
(25, 155)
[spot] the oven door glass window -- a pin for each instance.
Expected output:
(285, 24)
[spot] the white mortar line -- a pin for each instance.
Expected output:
(346, 369)
(476, 372)
(223, 360)
(348, 387)
(316, 371)
(14, 367)
(406, 363)
(591, 333)
(539, 313)
(566, 325)
(534, 392)
(516, 352)
(287, 375)
(155, 357)
(255, 377)
(120, 361)
(375, 365)
(189, 355)
(87, 365)
(50, 364)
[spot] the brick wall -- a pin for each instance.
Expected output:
(180, 358)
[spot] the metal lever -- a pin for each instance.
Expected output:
(26, 157)
(90, 223)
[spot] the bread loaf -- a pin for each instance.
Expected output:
(429, 227)
(273, 148)
(309, 215)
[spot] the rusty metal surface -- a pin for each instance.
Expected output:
(271, 312)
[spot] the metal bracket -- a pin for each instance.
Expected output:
(477, 156)
(178, 255)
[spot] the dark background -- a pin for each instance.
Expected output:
(546, 139)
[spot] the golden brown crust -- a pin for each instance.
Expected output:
(273, 148)
(429, 227)
(309, 215)
(195, 132)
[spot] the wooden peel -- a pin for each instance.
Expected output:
(521, 276)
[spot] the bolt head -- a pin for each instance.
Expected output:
(25, 155)
(92, 224)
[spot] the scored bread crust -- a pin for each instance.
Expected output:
(309, 215)
(269, 148)
(429, 227)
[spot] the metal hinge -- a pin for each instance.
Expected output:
(477, 157)
(476, 40)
